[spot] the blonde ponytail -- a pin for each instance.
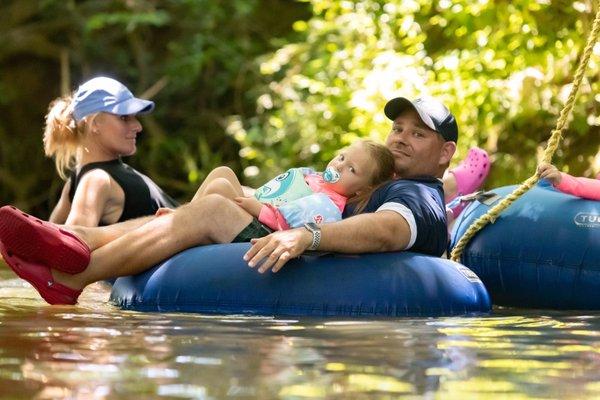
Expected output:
(62, 135)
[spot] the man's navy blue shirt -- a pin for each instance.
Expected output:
(424, 198)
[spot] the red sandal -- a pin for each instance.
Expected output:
(40, 277)
(41, 242)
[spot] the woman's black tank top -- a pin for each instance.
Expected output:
(142, 196)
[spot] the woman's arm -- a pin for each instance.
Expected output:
(63, 207)
(91, 199)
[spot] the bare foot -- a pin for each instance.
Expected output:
(450, 186)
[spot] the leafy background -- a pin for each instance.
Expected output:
(262, 85)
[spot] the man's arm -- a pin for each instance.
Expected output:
(364, 233)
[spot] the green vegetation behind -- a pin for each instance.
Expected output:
(263, 85)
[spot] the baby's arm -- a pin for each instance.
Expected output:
(550, 173)
(582, 187)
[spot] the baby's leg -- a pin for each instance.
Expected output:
(223, 187)
(221, 180)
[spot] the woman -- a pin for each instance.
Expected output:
(87, 133)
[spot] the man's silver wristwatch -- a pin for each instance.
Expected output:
(316, 235)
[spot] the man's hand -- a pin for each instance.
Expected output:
(277, 249)
(549, 172)
(250, 204)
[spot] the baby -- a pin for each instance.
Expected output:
(302, 195)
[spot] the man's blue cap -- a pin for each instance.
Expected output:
(432, 112)
(104, 94)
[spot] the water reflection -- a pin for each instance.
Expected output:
(97, 351)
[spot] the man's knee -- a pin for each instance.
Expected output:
(210, 203)
(215, 205)
(220, 217)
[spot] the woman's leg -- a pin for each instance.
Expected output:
(450, 188)
(221, 180)
(211, 219)
(99, 236)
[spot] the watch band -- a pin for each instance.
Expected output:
(316, 235)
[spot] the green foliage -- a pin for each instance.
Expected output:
(504, 68)
(263, 85)
(194, 57)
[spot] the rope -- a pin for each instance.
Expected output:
(551, 147)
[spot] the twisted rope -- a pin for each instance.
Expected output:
(551, 147)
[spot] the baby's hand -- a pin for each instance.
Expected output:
(163, 211)
(549, 172)
(250, 204)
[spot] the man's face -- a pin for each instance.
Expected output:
(417, 149)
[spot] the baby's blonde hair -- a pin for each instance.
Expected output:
(62, 135)
(383, 172)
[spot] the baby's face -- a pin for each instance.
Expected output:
(355, 167)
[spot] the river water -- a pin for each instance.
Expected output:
(96, 351)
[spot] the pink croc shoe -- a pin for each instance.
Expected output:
(471, 172)
(41, 242)
(41, 278)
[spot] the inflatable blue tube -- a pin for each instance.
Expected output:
(214, 279)
(542, 252)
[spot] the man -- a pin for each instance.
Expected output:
(405, 214)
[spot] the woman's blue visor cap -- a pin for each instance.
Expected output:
(104, 94)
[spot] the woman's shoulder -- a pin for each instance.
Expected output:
(94, 181)
(96, 200)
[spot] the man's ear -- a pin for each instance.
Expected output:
(448, 150)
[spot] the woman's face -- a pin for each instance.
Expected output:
(356, 169)
(116, 134)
